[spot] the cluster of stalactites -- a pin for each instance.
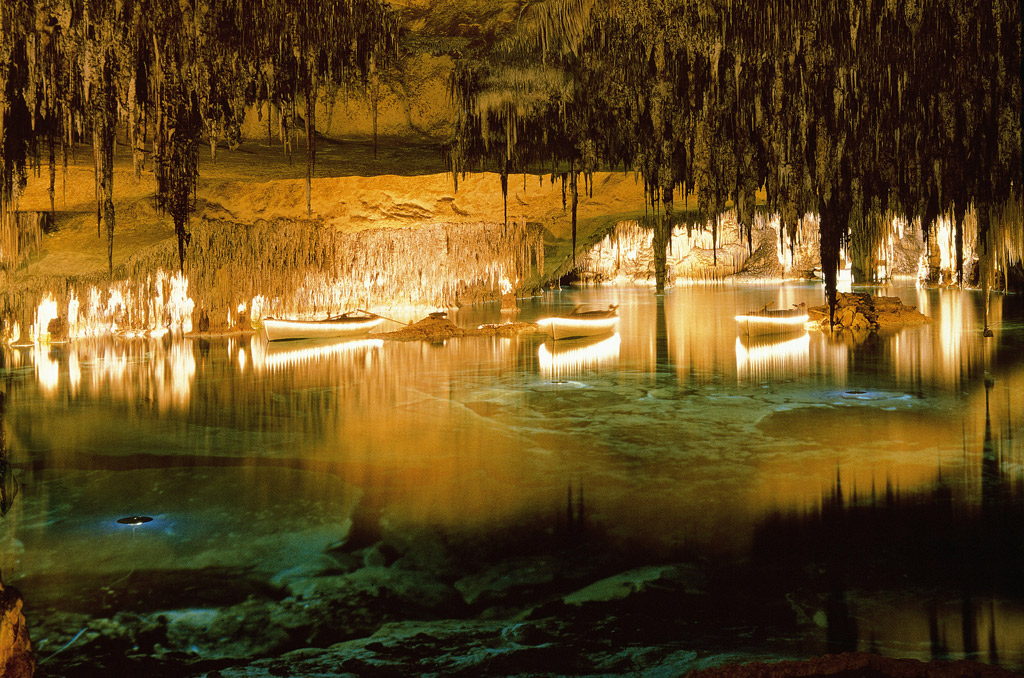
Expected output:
(164, 74)
(851, 110)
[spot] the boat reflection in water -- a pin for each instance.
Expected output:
(569, 357)
(273, 356)
(772, 356)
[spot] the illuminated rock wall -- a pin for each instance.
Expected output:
(309, 269)
(283, 268)
(412, 104)
(380, 242)
(627, 252)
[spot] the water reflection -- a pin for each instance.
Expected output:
(772, 357)
(952, 346)
(269, 356)
(680, 434)
(928, 571)
(157, 371)
(8, 484)
(572, 357)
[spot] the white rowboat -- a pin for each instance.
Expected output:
(761, 322)
(276, 329)
(580, 324)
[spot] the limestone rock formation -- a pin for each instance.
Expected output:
(863, 313)
(16, 660)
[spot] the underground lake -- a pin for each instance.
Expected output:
(668, 495)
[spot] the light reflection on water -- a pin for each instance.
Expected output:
(676, 387)
(679, 431)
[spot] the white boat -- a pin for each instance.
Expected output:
(764, 321)
(347, 325)
(580, 323)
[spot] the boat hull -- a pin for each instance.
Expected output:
(281, 330)
(575, 328)
(755, 325)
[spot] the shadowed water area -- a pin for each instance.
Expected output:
(670, 496)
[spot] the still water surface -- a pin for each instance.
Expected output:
(672, 433)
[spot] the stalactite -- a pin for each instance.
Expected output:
(103, 64)
(310, 101)
(801, 101)
(575, 201)
(661, 240)
(504, 194)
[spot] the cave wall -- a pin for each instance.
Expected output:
(412, 104)
(697, 252)
(373, 242)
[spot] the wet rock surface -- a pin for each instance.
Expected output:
(421, 604)
(16, 659)
(530, 600)
(864, 313)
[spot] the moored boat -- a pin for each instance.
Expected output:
(767, 321)
(347, 325)
(580, 323)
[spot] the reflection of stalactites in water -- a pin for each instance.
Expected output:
(993, 651)
(936, 634)
(841, 633)
(8, 485)
(661, 335)
(992, 480)
(575, 524)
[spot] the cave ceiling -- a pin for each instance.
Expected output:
(849, 110)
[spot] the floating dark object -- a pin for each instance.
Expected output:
(437, 315)
(134, 520)
(856, 392)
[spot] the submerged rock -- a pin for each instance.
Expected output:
(512, 577)
(621, 586)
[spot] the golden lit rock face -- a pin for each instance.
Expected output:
(380, 241)
(16, 659)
